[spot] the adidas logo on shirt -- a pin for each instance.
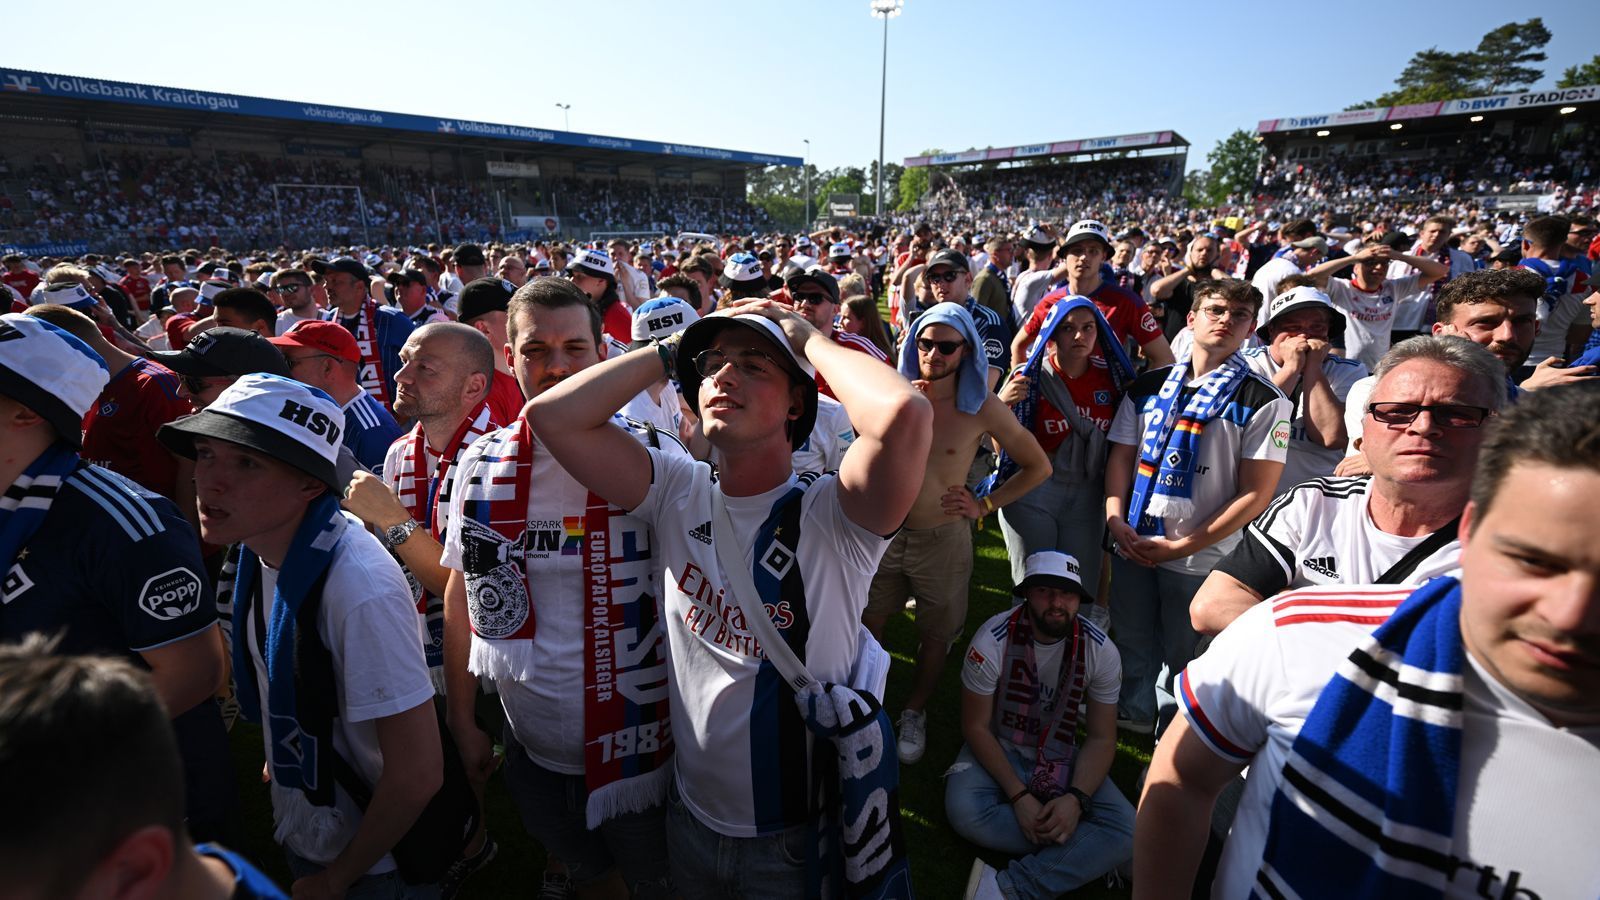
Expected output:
(1323, 565)
(702, 533)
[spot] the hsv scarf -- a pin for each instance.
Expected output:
(1366, 807)
(856, 848)
(627, 726)
(27, 501)
(857, 840)
(370, 374)
(1026, 409)
(1163, 484)
(1051, 730)
(305, 764)
(1432, 314)
(999, 273)
(421, 499)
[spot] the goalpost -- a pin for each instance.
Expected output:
(277, 202)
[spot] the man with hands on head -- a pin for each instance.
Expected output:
(1368, 297)
(743, 748)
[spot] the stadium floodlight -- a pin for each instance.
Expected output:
(1476, 119)
(1324, 133)
(566, 114)
(1568, 110)
(1396, 126)
(885, 10)
(805, 170)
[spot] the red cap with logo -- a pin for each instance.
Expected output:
(324, 337)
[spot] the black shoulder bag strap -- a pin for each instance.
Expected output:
(1407, 564)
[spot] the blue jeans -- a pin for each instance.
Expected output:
(388, 886)
(1150, 624)
(978, 811)
(1060, 515)
(553, 809)
(707, 865)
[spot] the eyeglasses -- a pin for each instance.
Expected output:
(288, 289)
(297, 360)
(945, 348)
(942, 278)
(750, 363)
(1449, 415)
(1222, 314)
(811, 299)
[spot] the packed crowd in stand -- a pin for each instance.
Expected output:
(150, 199)
(1275, 492)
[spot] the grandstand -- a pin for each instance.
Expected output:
(1503, 154)
(1118, 178)
(88, 161)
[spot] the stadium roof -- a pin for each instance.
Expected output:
(1141, 141)
(1462, 107)
(21, 83)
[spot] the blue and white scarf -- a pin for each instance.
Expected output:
(1005, 283)
(1027, 409)
(857, 843)
(1367, 803)
(1163, 483)
(27, 501)
(303, 764)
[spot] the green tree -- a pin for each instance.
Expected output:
(1503, 56)
(913, 184)
(1235, 162)
(1432, 74)
(1499, 63)
(1581, 76)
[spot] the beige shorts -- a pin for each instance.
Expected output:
(935, 566)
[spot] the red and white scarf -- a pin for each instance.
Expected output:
(370, 372)
(627, 726)
(1021, 716)
(419, 484)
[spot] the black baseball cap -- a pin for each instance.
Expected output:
(468, 255)
(350, 266)
(813, 275)
(225, 351)
(484, 295)
(948, 257)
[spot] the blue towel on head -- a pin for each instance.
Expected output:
(972, 381)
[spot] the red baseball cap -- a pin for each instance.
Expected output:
(324, 337)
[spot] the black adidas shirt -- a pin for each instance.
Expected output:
(1319, 532)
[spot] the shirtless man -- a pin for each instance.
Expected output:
(931, 557)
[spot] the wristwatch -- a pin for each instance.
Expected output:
(1083, 799)
(395, 535)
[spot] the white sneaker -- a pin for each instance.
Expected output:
(982, 884)
(913, 735)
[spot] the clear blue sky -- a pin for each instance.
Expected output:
(764, 76)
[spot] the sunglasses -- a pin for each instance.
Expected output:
(942, 277)
(945, 348)
(811, 299)
(1449, 415)
(196, 384)
(289, 289)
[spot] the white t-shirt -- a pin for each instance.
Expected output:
(1410, 308)
(1554, 320)
(1369, 315)
(1307, 460)
(287, 320)
(1027, 289)
(728, 702)
(369, 624)
(1321, 532)
(1266, 281)
(663, 412)
(1102, 665)
(830, 438)
(1265, 435)
(1525, 801)
(1355, 412)
(545, 712)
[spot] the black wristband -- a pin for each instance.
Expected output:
(1083, 799)
(1017, 796)
(668, 352)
